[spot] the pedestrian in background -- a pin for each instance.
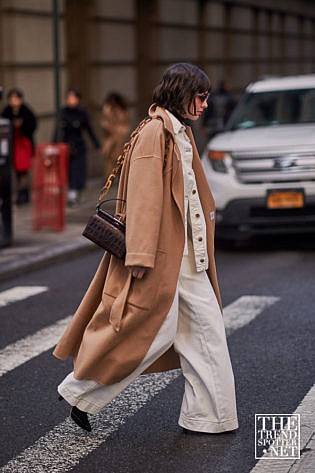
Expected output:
(221, 104)
(74, 122)
(160, 305)
(116, 124)
(24, 125)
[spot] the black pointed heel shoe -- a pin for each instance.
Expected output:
(60, 398)
(80, 418)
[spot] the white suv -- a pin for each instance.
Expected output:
(261, 169)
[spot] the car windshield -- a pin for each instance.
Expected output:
(274, 108)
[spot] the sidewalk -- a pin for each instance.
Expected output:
(31, 250)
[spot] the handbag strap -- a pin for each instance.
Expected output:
(104, 201)
(120, 215)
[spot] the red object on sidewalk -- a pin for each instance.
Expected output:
(50, 183)
(22, 152)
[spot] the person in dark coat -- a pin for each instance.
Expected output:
(24, 125)
(74, 121)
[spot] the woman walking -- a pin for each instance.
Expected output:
(160, 307)
(24, 125)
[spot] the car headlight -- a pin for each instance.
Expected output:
(219, 160)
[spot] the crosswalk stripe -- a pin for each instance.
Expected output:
(236, 315)
(244, 310)
(19, 293)
(65, 445)
(27, 348)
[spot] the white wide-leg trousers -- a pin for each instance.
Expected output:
(195, 326)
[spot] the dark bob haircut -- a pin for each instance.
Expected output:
(15, 91)
(179, 85)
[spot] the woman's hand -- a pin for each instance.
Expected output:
(137, 271)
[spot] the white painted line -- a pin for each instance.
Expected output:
(64, 446)
(244, 310)
(27, 348)
(19, 293)
(236, 315)
(306, 464)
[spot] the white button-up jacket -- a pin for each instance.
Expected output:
(195, 225)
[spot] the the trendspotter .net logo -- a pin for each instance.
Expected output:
(277, 436)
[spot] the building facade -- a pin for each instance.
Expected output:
(123, 46)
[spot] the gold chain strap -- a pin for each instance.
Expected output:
(121, 158)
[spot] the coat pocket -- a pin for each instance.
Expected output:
(142, 293)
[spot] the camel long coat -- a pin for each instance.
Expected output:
(119, 316)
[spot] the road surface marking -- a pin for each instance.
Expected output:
(236, 315)
(244, 310)
(19, 293)
(27, 348)
(66, 444)
(306, 464)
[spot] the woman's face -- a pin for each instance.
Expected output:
(72, 100)
(195, 109)
(15, 101)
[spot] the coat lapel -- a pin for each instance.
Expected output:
(174, 155)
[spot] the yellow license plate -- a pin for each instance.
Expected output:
(285, 199)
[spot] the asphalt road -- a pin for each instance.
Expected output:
(272, 357)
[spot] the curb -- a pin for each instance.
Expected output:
(50, 256)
